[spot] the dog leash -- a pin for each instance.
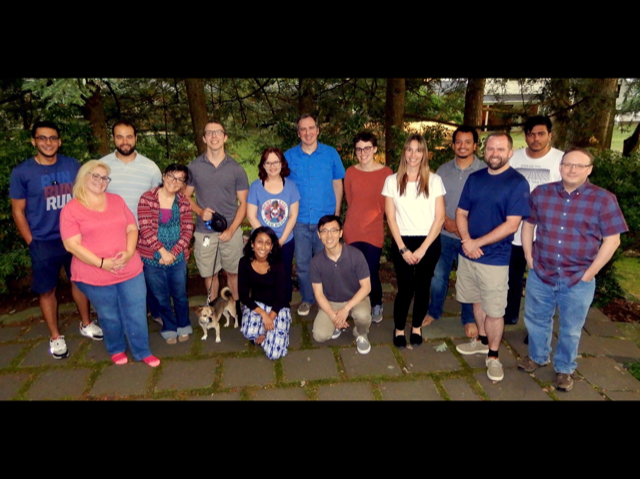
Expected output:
(215, 259)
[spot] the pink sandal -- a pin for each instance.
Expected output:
(119, 359)
(152, 361)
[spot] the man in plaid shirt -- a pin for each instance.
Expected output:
(578, 231)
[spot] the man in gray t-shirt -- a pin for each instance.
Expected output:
(221, 186)
(454, 175)
(341, 285)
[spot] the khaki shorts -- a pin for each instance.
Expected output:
(484, 284)
(229, 253)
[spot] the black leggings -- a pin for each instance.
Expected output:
(413, 280)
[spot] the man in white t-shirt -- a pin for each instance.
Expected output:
(539, 163)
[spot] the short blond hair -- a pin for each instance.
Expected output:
(79, 192)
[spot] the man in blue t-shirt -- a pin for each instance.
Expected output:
(39, 188)
(493, 202)
(317, 171)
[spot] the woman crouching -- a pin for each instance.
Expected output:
(266, 316)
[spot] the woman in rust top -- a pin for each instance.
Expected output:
(364, 224)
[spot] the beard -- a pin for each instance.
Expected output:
(126, 150)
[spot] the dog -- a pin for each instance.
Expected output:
(209, 316)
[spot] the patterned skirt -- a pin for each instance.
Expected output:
(276, 341)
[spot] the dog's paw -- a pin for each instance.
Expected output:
(218, 340)
(204, 338)
(236, 326)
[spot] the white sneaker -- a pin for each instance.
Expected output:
(92, 330)
(494, 369)
(303, 309)
(336, 333)
(363, 344)
(58, 348)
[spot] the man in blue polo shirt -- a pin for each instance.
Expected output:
(317, 171)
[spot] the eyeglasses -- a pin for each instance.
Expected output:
(97, 177)
(208, 133)
(333, 231)
(43, 138)
(577, 166)
(272, 163)
(366, 149)
(174, 178)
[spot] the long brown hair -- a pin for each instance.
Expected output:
(423, 174)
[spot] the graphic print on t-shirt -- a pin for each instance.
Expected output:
(58, 188)
(535, 176)
(274, 212)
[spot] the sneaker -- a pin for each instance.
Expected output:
(564, 382)
(473, 347)
(303, 309)
(363, 344)
(494, 369)
(376, 313)
(336, 333)
(528, 365)
(157, 320)
(58, 348)
(92, 330)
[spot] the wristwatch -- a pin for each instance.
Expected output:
(403, 250)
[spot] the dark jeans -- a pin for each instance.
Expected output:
(413, 280)
(517, 266)
(372, 255)
(287, 261)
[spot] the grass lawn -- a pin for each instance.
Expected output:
(629, 272)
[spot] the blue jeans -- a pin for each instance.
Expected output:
(308, 245)
(540, 304)
(166, 284)
(122, 313)
(440, 282)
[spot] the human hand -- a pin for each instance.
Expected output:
(267, 321)
(166, 257)
(471, 249)
(226, 235)
(587, 276)
(108, 265)
(450, 226)
(410, 258)
(121, 259)
(207, 214)
(529, 261)
(340, 318)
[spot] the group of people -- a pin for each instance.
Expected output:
(132, 241)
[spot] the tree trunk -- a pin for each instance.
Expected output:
(198, 110)
(559, 100)
(592, 116)
(94, 114)
(394, 116)
(473, 100)
(631, 143)
(306, 104)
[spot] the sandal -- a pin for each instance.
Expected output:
(152, 361)
(183, 337)
(119, 359)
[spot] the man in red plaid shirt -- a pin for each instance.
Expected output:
(578, 231)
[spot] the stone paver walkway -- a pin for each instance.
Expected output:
(237, 370)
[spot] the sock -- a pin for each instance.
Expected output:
(483, 339)
(493, 354)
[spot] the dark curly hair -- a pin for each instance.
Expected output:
(284, 172)
(276, 252)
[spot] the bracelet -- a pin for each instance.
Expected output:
(101, 263)
(403, 250)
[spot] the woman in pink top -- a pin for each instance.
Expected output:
(364, 224)
(101, 233)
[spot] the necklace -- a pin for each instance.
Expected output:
(46, 172)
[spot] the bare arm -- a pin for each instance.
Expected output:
(605, 253)
(338, 189)
(252, 216)
(239, 218)
(462, 222)
(363, 292)
(324, 305)
(17, 210)
(123, 257)
(291, 222)
(527, 242)
(450, 225)
(204, 213)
